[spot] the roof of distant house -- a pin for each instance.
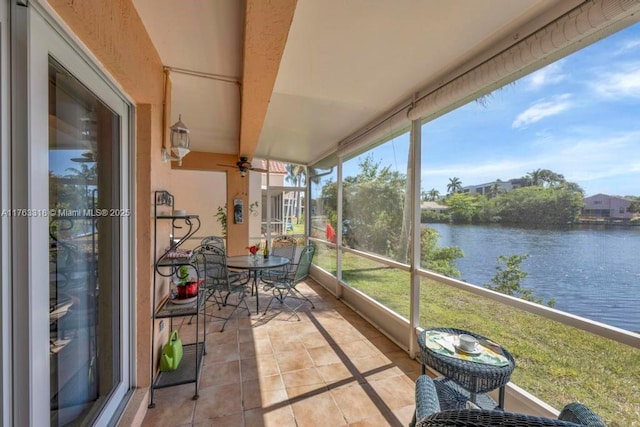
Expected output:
(274, 166)
(433, 206)
(607, 195)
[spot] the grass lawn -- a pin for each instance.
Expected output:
(557, 363)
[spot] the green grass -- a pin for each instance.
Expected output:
(557, 363)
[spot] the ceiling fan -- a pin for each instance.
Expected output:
(244, 166)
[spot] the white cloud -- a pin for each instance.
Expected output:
(551, 74)
(542, 109)
(601, 163)
(625, 83)
(627, 46)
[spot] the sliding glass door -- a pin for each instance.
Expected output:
(79, 236)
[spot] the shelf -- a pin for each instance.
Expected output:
(188, 369)
(169, 309)
(183, 227)
(166, 261)
(178, 217)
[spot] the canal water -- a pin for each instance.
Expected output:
(590, 271)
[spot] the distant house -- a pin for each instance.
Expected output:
(486, 188)
(433, 207)
(605, 206)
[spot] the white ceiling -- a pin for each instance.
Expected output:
(345, 63)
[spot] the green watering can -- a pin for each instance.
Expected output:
(171, 353)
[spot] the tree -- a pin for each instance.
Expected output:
(496, 189)
(538, 206)
(534, 177)
(634, 207)
(508, 279)
(465, 208)
(454, 185)
(294, 175)
(433, 195)
(372, 208)
(434, 258)
(545, 178)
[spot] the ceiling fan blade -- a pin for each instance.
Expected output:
(227, 166)
(258, 170)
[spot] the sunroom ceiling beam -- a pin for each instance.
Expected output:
(265, 35)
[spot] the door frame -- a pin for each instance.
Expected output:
(44, 35)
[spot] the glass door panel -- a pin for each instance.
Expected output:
(84, 236)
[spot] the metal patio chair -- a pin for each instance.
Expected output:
(284, 246)
(285, 287)
(212, 265)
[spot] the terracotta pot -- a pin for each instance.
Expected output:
(188, 290)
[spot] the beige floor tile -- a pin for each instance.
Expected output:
(336, 374)
(263, 365)
(304, 392)
(222, 353)
(271, 417)
(234, 420)
(218, 401)
(382, 343)
(219, 373)
(372, 364)
(310, 410)
(356, 402)
(174, 406)
(256, 397)
(356, 349)
(405, 414)
(228, 336)
(169, 415)
(325, 355)
(377, 421)
(247, 350)
(313, 339)
(261, 370)
(396, 392)
(271, 382)
(294, 360)
(302, 377)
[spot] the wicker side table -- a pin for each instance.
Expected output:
(472, 376)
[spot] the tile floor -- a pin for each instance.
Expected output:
(331, 368)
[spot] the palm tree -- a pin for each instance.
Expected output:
(454, 185)
(433, 195)
(535, 177)
(294, 176)
(496, 189)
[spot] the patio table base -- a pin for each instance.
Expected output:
(454, 396)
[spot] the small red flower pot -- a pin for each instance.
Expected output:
(188, 290)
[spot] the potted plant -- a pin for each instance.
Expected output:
(186, 288)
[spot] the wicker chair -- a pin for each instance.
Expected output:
(429, 414)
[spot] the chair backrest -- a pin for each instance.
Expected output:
(213, 241)
(304, 263)
(284, 246)
(212, 265)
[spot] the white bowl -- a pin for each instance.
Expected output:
(179, 212)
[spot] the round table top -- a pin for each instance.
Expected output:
(247, 262)
(475, 377)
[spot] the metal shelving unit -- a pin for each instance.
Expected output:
(182, 228)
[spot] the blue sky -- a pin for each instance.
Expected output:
(579, 116)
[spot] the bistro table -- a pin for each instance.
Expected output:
(460, 375)
(254, 265)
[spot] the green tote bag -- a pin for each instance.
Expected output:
(171, 353)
